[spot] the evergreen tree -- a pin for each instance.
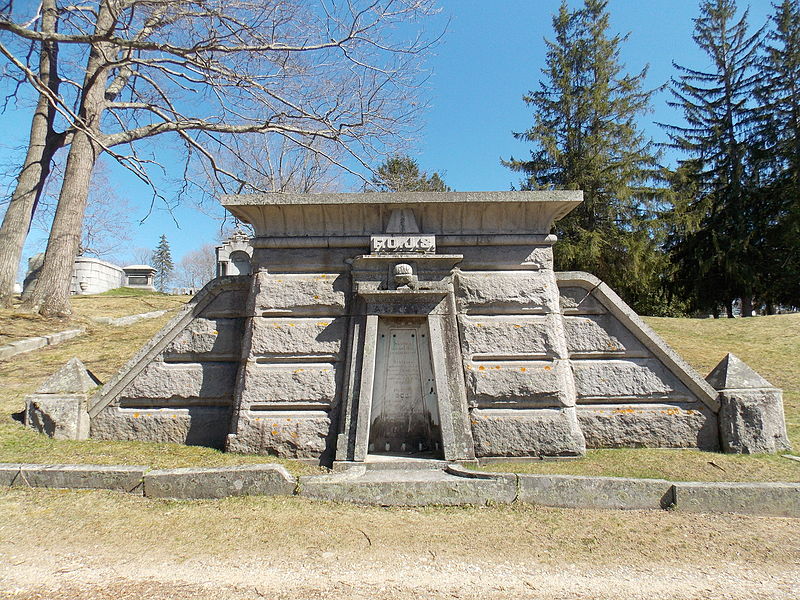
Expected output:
(585, 137)
(778, 159)
(162, 261)
(402, 174)
(715, 237)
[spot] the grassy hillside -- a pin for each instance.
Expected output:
(769, 344)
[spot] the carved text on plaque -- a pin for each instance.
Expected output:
(380, 244)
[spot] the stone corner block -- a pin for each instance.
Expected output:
(61, 416)
(751, 421)
(121, 478)
(220, 482)
(766, 499)
(569, 491)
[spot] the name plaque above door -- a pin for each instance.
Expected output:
(387, 243)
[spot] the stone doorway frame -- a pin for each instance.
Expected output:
(430, 298)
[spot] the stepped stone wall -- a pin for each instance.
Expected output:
(292, 366)
(632, 389)
(179, 387)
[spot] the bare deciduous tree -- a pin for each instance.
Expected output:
(107, 222)
(43, 141)
(197, 267)
(320, 75)
(140, 256)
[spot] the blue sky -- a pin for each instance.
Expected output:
(491, 55)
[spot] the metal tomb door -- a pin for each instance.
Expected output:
(405, 414)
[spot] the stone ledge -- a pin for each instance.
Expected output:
(772, 499)
(120, 478)
(572, 491)
(243, 480)
(34, 343)
(410, 488)
(129, 319)
(453, 486)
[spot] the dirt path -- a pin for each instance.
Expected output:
(91, 576)
(90, 545)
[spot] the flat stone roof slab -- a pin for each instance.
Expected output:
(437, 213)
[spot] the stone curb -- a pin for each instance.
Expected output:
(773, 499)
(565, 491)
(454, 490)
(120, 478)
(130, 319)
(243, 480)
(34, 343)
(572, 491)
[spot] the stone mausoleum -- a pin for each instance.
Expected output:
(429, 324)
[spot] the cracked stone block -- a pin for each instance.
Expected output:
(317, 294)
(538, 432)
(321, 336)
(506, 292)
(509, 336)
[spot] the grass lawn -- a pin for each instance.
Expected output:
(768, 344)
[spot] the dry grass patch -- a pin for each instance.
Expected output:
(16, 325)
(289, 529)
(653, 463)
(122, 303)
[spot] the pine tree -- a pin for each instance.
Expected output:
(714, 242)
(585, 136)
(778, 141)
(402, 174)
(162, 261)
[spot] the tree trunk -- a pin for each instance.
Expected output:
(729, 308)
(51, 296)
(747, 306)
(42, 145)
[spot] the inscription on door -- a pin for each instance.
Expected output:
(404, 412)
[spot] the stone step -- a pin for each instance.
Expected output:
(390, 462)
(411, 487)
